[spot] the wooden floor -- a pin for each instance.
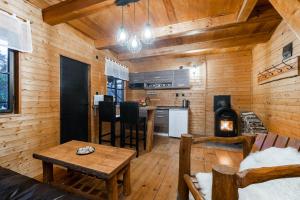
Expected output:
(154, 175)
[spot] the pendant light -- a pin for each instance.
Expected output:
(147, 34)
(122, 34)
(134, 44)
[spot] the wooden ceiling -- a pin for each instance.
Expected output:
(179, 26)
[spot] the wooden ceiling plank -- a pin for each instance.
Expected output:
(39, 3)
(203, 46)
(179, 29)
(72, 9)
(267, 15)
(170, 11)
(246, 9)
(290, 12)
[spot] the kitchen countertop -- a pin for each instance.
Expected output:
(170, 107)
(148, 108)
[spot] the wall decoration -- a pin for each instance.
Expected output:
(283, 70)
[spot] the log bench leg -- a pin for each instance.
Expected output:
(126, 179)
(47, 172)
(112, 188)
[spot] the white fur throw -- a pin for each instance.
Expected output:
(287, 189)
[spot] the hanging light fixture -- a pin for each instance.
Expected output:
(147, 34)
(134, 44)
(122, 34)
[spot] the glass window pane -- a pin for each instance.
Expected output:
(110, 92)
(120, 96)
(110, 82)
(4, 97)
(120, 84)
(3, 59)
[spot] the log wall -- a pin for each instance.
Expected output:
(277, 103)
(37, 126)
(217, 74)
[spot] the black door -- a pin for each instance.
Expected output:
(73, 100)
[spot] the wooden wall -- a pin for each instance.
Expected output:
(38, 125)
(277, 103)
(217, 74)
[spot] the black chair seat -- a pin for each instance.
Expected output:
(107, 113)
(14, 186)
(130, 119)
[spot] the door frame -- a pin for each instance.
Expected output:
(89, 92)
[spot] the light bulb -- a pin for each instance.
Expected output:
(147, 34)
(134, 44)
(122, 36)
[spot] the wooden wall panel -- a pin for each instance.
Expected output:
(228, 74)
(277, 103)
(38, 125)
(218, 74)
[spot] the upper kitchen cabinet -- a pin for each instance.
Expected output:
(159, 76)
(181, 78)
(137, 77)
(168, 79)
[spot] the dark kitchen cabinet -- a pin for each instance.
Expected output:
(168, 79)
(137, 77)
(181, 78)
(161, 121)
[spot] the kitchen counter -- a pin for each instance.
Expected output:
(148, 107)
(170, 107)
(150, 126)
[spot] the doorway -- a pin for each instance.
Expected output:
(74, 100)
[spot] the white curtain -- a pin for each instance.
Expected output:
(116, 70)
(15, 33)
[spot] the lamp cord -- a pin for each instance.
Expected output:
(148, 11)
(134, 13)
(122, 16)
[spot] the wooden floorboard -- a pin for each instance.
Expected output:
(154, 175)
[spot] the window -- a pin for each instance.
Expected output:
(7, 66)
(115, 88)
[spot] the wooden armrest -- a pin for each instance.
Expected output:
(259, 175)
(192, 188)
(247, 140)
(224, 184)
(226, 140)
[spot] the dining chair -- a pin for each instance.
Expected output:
(107, 113)
(130, 118)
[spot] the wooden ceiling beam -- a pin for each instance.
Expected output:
(72, 9)
(178, 30)
(200, 46)
(246, 9)
(290, 12)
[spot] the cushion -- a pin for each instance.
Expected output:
(15, 186)
(287, 188)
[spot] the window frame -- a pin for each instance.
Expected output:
(115, 88)
(12, 68)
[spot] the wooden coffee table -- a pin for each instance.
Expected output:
(105, 163)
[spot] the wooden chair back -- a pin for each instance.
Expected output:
(223, 174)
(264, 141)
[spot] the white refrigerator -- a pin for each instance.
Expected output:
(178, 122)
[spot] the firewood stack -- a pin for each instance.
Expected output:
(250, 123)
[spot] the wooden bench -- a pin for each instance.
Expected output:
(227, 180)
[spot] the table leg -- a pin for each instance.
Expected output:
(150, 130)
(47, 172)
(112, 188)
(126, 179)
